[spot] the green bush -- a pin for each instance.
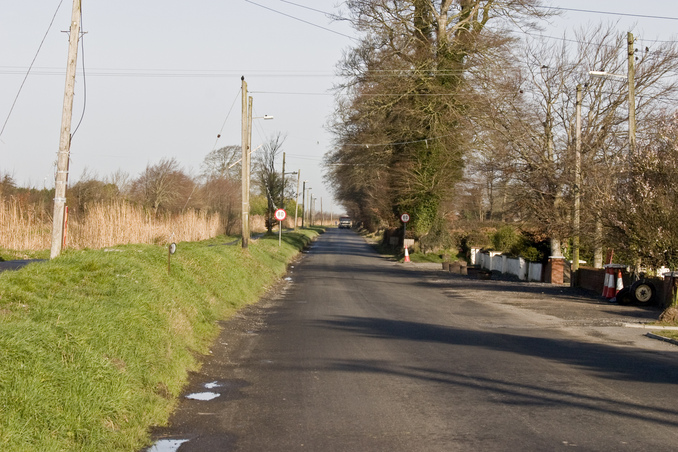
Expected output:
(506, 239)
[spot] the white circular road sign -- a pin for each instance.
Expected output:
(405, 217)
(280, 214)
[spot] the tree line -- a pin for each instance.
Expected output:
(166, 188)
(458, 111)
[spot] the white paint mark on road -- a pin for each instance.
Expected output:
(214, 384)
(167, 445)
(204, 396)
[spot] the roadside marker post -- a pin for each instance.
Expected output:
(171, 249)
(280, 215)
(405, 218)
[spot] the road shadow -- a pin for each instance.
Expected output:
(615, 363)
(606, 362)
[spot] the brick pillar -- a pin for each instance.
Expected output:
(555, 270)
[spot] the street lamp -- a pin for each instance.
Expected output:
(632, 104)
(631, 78)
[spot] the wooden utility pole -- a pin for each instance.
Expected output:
(245, 209)
(249, 157)
(310, 212)
(296, 202)
(577, 186)
(282, 190)
(63, 157)
(632, 95)
(303, 202)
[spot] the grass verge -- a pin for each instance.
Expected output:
(95, 346)
(397, 253)
(668, 334)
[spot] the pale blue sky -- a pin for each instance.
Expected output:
(162, 76)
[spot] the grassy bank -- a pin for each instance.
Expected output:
(397, 253)
(96, 345)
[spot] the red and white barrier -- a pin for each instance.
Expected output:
(620, 282)
(613, 280)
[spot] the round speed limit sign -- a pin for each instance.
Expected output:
(280, 214)
(405, 217)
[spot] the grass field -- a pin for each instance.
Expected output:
(95, 346)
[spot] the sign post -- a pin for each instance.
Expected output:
(280, 215)
(405, 218)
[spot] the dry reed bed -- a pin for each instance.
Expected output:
(23, 228)
(104, 225)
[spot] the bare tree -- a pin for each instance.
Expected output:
(222, 163)
(537, 126)
(220, 190)
(267, 178)
(644, 217)
(164, 186)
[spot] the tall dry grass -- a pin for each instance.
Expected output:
(104, 225)
(23, 228)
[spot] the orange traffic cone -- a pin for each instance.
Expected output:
(620, 282)
(407, 255)
(608, 289)
(605, 282)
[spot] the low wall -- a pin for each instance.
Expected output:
(592, 279)
(519, 267)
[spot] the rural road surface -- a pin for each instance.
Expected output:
(359, 353)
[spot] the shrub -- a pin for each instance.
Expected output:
(505, 239)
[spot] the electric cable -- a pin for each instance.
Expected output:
(612, 13)
(302, 20)
(84, 77)
(227, 116)
(333, 16)
(30, 67)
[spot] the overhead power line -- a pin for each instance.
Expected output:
(333, 16)
(302, 20)
(611, 13)
(169, 73)
(30, 67)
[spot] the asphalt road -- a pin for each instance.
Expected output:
(17, 264)
(359, 353)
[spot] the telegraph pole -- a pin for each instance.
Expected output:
(303, 202)
(282, 192)
(296, 202)
(311, 211)
(63, 157)
(249, 157)
(577, 185)
(632, 95)
(245, 210)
